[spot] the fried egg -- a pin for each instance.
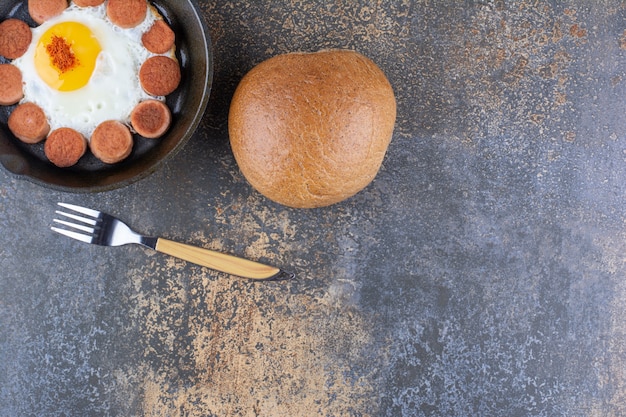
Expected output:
(82, 70)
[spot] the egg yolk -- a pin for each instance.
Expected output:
(66, 56)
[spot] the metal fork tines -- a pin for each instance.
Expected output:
(86, 225)
(92, 226)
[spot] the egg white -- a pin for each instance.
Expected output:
(114, 88)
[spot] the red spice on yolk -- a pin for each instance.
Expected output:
(61, 53)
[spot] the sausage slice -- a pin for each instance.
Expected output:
(111, 142)
(11, 90)
(127, 13)
(42, 10)
(159, 38)
(159, 75)
(64, 147)
(15, 36)
(151, 118)
(28, 123)
(88, 3)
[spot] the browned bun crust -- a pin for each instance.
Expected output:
(111, 142)
(311, 129)
(151, 118)
(88, 3)
(159, 75)
(42, 10)
(15, 37)
(127, 13)
(159, 38)
(28, 123)
(65, 146)
(11, 90)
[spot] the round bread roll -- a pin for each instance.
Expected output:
(311, 129)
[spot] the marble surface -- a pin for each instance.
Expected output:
(480, 274)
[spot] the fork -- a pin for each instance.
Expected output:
(92, 226)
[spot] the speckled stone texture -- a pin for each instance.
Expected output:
(482, 273)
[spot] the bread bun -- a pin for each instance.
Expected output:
(311, 129)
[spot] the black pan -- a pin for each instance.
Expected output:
(187, 103)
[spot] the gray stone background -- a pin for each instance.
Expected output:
(480, 274)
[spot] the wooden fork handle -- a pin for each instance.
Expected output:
(221, 261)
